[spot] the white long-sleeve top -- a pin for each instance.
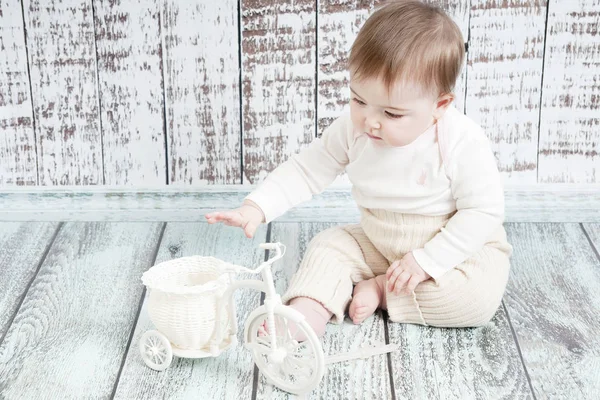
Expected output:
(450, 167)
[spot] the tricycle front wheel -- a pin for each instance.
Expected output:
(296, 367)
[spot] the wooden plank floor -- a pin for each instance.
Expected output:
(72, 310)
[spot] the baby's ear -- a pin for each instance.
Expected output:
(442, 104)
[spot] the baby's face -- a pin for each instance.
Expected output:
(395, 117)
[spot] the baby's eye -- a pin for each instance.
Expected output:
(359, 102)
(395, 116)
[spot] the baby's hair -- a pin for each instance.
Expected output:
(409, 41)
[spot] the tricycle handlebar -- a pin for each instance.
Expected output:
(279, 252)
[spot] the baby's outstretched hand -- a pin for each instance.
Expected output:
(248, 217)
(404, 275)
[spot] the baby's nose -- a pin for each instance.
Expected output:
(373, 124)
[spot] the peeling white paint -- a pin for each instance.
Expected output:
(17, 139)
(200, 50)
(570, 120)
(62, 60)
(504, 81)
(202, 92)
(131, 93)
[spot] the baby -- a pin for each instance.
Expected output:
(430, 247)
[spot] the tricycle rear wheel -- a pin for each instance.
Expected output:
(156, 350)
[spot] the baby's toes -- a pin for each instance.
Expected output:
(355, 305)
(352, 310)
(358, 319)
(359, 314)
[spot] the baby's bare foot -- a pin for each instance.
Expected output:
(315, 313)
(367, 296)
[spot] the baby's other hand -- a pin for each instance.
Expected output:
(404, 275)
(248, 217)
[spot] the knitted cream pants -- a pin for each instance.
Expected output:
(466, 296)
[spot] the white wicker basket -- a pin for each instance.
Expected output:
(183, 297)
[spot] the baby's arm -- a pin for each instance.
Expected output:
(306, 173)
(479, 194)
(294, 181)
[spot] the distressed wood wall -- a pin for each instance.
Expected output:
(149, 92)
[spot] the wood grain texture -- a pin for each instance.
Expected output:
(569, 149)
(278, 81)
(62, 60)
(70, 334)
(128, 40)
(553, 301)
(593, 232)
(339, 23)
(202, 91)
(504, 72)
(228, 376)
(22, 246)
(360, 379)
(467, 363)
(17, 146)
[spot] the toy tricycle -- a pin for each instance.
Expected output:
(191, 304)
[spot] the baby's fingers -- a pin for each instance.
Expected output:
(211, 218)
(391, 283)
(391, 269)
(228, 218)
(401, 281)
(393, 279)
(214, 217)
(412, 284)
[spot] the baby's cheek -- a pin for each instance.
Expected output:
(403, 137)
(396, 140)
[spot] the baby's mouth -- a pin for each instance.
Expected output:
(372, 137)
